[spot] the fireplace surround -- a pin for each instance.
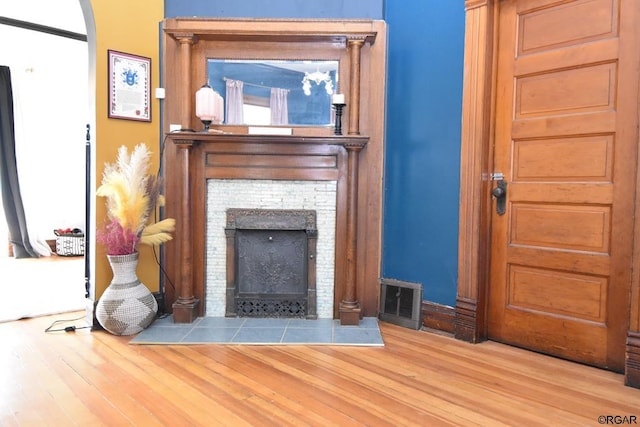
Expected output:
(211, 156)
(263, 194)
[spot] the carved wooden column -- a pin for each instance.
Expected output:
(185, 308)
(355, 48)
(474, 211)
(349, 306)
(185, 40)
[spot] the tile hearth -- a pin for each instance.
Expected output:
(261, 331)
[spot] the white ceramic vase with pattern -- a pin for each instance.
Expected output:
(127, 306)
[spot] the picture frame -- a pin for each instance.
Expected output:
(129, 86)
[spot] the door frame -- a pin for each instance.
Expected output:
(478, 113)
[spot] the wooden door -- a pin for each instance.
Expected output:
(561, 253)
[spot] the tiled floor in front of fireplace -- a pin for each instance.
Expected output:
(261, 331)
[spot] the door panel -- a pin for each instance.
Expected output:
(564, 227)
(560, 257)
(569, 159)
(542, 28)
(579, 296)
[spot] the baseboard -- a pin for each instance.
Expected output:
(632, 363)
(439, 317)
(466, 327)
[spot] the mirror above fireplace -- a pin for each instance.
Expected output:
(258, 53)
(303, 88)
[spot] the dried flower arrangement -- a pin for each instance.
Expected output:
(132, 197)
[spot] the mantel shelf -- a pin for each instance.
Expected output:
(191, 138)
(281, 30)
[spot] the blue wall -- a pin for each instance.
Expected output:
(424, 107)
(422, 158)
(343, 9)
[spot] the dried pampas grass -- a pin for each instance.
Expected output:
(132, 196)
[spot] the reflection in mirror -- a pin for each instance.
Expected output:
(275, 92)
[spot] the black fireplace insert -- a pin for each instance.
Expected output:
(271, 263)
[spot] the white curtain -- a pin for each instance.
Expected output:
(25, 93)
(51, 169)
(234, 102)
(279, 106)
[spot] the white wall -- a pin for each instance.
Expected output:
(50, 88)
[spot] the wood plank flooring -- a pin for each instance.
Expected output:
(92, 378)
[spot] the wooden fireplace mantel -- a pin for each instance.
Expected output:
(208, 155)
(311, 153)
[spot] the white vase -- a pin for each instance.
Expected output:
(127, 306)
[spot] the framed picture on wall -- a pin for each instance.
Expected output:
(129, 86)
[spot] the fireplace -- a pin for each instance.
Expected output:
(305, 153)
(223, 171)
(271, 258)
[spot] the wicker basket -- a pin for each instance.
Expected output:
(70, 244)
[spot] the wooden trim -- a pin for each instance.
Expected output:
(630, 16)
(349, 307)
(354, 47)
(475, 154)
(470, 4)
(632, 365)
(186, 305)
(466, 321)
(185, 41)
(268, 30)
(438, 317)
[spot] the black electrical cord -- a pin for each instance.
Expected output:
(71, 328)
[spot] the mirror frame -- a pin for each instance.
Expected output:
(192, 41)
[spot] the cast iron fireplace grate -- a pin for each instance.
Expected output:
(271, 263)
(400, 303)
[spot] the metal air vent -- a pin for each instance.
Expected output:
(400, 303)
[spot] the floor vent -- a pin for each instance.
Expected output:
(400, 303)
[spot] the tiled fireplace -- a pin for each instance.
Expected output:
(225, 194)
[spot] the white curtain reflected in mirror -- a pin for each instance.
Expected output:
(279, 107)
(234, 102)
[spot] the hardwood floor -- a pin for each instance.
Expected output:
(419, 378)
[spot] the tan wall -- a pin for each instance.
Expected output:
(130, 27)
